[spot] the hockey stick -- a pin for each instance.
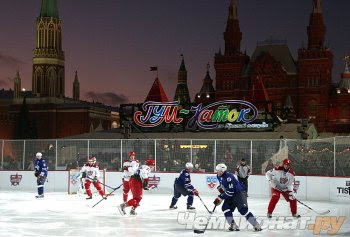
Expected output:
(105, 198)
(319, 213)
(206, 226)
(204, 204)
(100, 183)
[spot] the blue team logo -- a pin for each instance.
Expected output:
(15, 179)
(212, 181)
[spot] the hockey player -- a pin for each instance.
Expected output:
(281, 179)
(138, 182)
(243, 172)
(129, 167)
(183, 186)
(91, 171)
(234, 196)
(40, 173)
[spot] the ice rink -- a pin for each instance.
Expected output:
(60, 214)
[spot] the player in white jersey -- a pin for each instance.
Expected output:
(129, 168)
(282, 179)
(138, 182)
(91, 173)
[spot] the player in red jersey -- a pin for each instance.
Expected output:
(282, 179)
(138, 182)
(129, 167)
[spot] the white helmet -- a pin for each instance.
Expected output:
(39, 155)
(221, 167)
(189, 165)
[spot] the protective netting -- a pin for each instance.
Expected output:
(321, 157)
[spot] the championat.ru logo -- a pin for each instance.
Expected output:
(15, 179)
(319, 225)
(212, 181)
(153, 182)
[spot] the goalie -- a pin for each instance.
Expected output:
(91, 173)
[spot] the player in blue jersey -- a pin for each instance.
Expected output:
(183, 186)
(234, 195)
(40, 174)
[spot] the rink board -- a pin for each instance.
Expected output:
(308, 187)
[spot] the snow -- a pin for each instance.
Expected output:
(60, 214)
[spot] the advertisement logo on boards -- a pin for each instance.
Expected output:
(15, 179)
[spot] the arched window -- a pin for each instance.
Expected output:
(51, 42)
(41, 36)
(312, 109)
(38, 80)
(60, 83)
(51, 75)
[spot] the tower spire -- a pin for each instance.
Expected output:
(48, 77)
(346, 59)
(233, 10)
(181, 93)
(49, 8)
(317, 8)
(316, 29)
(233, 34)
(76, 87)
(17, 85)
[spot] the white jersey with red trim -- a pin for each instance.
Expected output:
(91, 171)
(130, 167)
(281, 179)
(143, 171)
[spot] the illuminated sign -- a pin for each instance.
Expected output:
(194, 146)
(221, 114)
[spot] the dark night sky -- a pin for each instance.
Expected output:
(112, 43)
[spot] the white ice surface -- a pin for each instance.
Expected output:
(60, 214)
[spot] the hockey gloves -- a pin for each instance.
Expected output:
(220, 189)
(291, 196)
(195, 192)
(83, 175)
(41, 178)
(36, 174)
(145, 184)
(217, 201)
(95, 180)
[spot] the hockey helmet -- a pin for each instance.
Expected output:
(150, 162)
(221, 168)
(131, 153)
(189, 165)
(92, 160)
(287, 162)
(39, 155)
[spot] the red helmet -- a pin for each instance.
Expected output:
(287, 162)
(131, 153)
(92, 159)
(150, 162)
